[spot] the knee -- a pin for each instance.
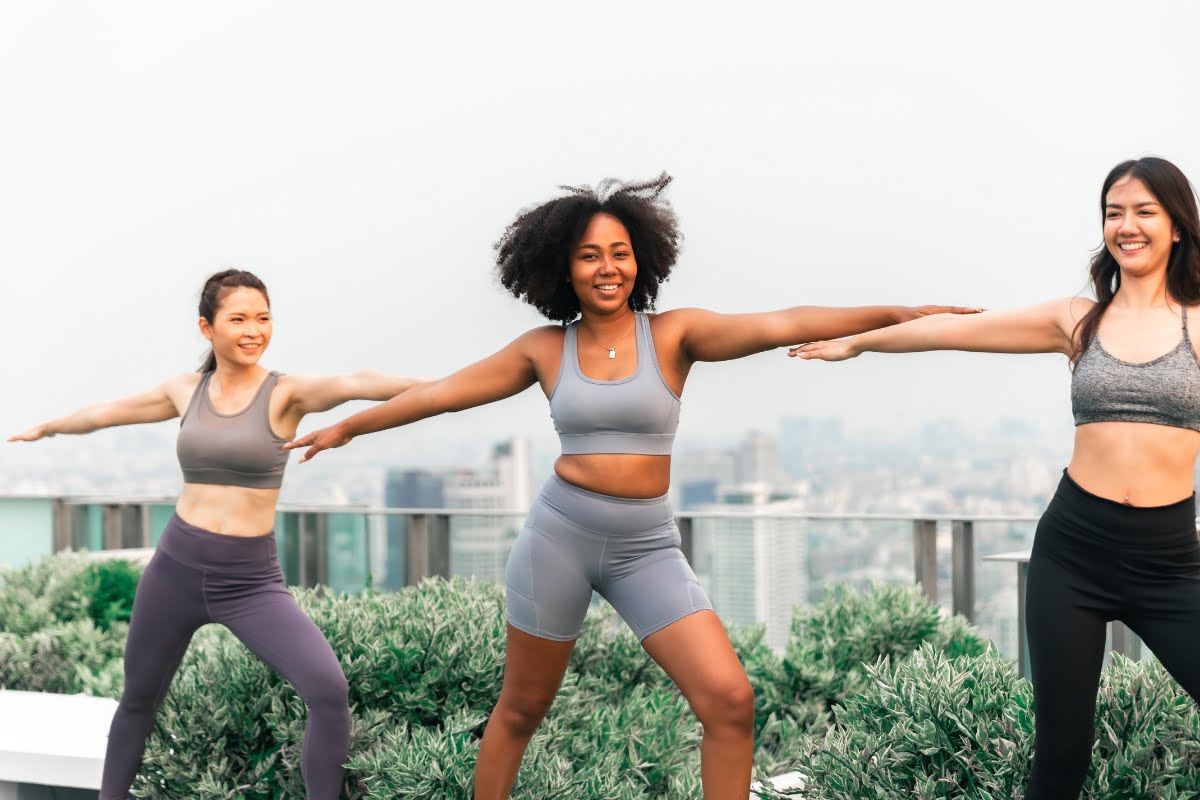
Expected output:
(328, 691)
(521, 712)
(727, 705)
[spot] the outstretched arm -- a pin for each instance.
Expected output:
(313, 394)
(708, 336)
(501, 375)
(152, 406)
(1045, 328)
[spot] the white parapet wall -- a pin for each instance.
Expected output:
(52, 740)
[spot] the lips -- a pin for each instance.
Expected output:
(1133, 247)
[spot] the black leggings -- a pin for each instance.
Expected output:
(197, 577)
(1096, 560)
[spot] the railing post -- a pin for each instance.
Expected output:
(684, 524)
(1125, 641)
(925, 557)
(428, 544)
(962, 569)
(322, 547)
(64, 534)
(111, 515)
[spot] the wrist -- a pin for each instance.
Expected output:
(902, 314)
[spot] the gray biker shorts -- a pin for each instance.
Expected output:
(575, 541)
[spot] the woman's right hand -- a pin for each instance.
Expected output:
(324, 439)
(836, 350)
(32, 435)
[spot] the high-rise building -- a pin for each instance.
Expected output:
(758, 459)
(755, 567)
(479, 544)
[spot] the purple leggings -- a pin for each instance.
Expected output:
(197, 577)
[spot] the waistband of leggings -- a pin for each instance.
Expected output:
(1181, 513)
(204, 549)
(600, 513)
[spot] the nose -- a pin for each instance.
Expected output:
(607, 267)
(1128, 225)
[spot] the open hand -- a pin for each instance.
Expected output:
(333, 436)
(31, 435)
(916, 312)
(836, 350)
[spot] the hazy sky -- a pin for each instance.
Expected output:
(363, 157)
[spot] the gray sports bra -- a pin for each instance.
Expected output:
(638, 414)
(231, 449)
(1162, 391)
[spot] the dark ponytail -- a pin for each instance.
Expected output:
(212, 293)
(1175, 194)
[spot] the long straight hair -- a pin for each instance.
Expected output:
(214, 291)
(1175, 194)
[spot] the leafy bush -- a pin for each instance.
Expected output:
(425, 667)
(927, 727)
(108, 588)
(829, 652)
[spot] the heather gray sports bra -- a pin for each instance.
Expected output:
(231, 449)
(1162, 391)
(638, 414)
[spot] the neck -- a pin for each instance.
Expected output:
(603, 324)
(1143, 292)
(235, 375)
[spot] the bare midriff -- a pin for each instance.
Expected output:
(228, 510)
(617, 474)
(1136, 463)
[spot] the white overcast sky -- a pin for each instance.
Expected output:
(363, 157)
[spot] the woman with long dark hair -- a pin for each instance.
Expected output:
(1118, 539)
(216, 561)
(592, 261)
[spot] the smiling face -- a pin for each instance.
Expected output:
(241, 327)
(603, 267)
(1138, 232)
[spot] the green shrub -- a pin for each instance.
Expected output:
(1147, 735)
(68, 658)
(926, 727)
(42, 594)
(829, 652)
(108, 588)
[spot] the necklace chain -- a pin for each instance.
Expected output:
(612, 350)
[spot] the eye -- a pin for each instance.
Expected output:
(1112, 215)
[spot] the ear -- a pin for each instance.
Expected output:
(205, 329)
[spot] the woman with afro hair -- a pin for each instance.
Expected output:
(593, 261)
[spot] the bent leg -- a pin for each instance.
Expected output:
(696, 653)
(1066, 652)
(533, 670)
(167, 610)
(270, 623)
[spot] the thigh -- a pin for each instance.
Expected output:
(533, 669)
(1173, 634)
(272, 625)
(1066, 646)
(548, 587)
(167, 609)
(697, 655)
(656, 591)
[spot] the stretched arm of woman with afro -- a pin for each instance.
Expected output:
(500, 375)
(709, 336)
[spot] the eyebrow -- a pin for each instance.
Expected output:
(1136, 205)
(598, 247)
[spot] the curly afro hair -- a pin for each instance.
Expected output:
(534, 254)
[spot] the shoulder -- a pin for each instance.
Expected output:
(183, 382)
(540, 337)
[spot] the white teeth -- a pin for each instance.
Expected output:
(1133, 246)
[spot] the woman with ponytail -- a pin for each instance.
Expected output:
(216, 560)
(1118, 539)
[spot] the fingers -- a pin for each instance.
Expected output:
(312, 451)
(303, 441)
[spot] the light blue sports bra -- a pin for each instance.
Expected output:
(637, 415)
